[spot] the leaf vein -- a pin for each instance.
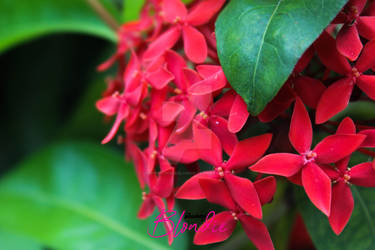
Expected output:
(251, 101)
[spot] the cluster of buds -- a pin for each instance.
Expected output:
(172, 101)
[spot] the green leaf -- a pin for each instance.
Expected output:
(358, 234)
(259, 42)
(23, 20)
(77, 196)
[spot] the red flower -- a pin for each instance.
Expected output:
(217, 192)
(348, 41)
(160, 187)
(329, 105)
(315, 181)
(343, 177)
(175, 13)
(245, 153)
(110, 106)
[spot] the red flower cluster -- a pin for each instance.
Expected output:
(177, 108)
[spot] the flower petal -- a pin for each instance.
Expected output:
(168, 113)
(208, 144)
(204, 11)
(195, 45)
(249, 151)
(210, 84)
(363, 175)
(346, 126)
(208, 70)
(278, 105)
(191, 190)
(223, 106)
(317, 186)
(186, 117)
(159, 78)
(283, 164)
(367, 59)
(216, 191)
(164, 184)
(176, 65)
(329, 105)
(220, 127)
(184, 152)
(369, 142)
(138, 157)
(342, 206)
(348, 42)
(238, 115)
(245, 194)
(257, 232)
(108, 105)
(309, 90)
(146, 209)
(164, 42)
(366, 26)
(173, 9)
(326, 49)
(123, 112)
(209, 232)
(367, 84)
(300, 132)
(335, 147)
(266, 189)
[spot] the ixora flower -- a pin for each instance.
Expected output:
(328, 106)
(348, 41)
(343, 177)
(245, 153)
(308, 162)
(216, 191)
(176, 14)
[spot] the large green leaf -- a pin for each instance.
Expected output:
(358, 234)
(24, 19)
(77, 196)
(259, 42)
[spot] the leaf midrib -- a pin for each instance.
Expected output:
(92, 215)
(251, 101)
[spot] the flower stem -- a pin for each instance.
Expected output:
(367, 152)
(104, 14)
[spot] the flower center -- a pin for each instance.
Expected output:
(346, 178)
(309, 157)
(354, 13)
(177, 20)
(203, 115)
(355, 72)
(177, 91)
(220, 172)
(144, 195)
(143, 116)
(153, 154)
(234, 216)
